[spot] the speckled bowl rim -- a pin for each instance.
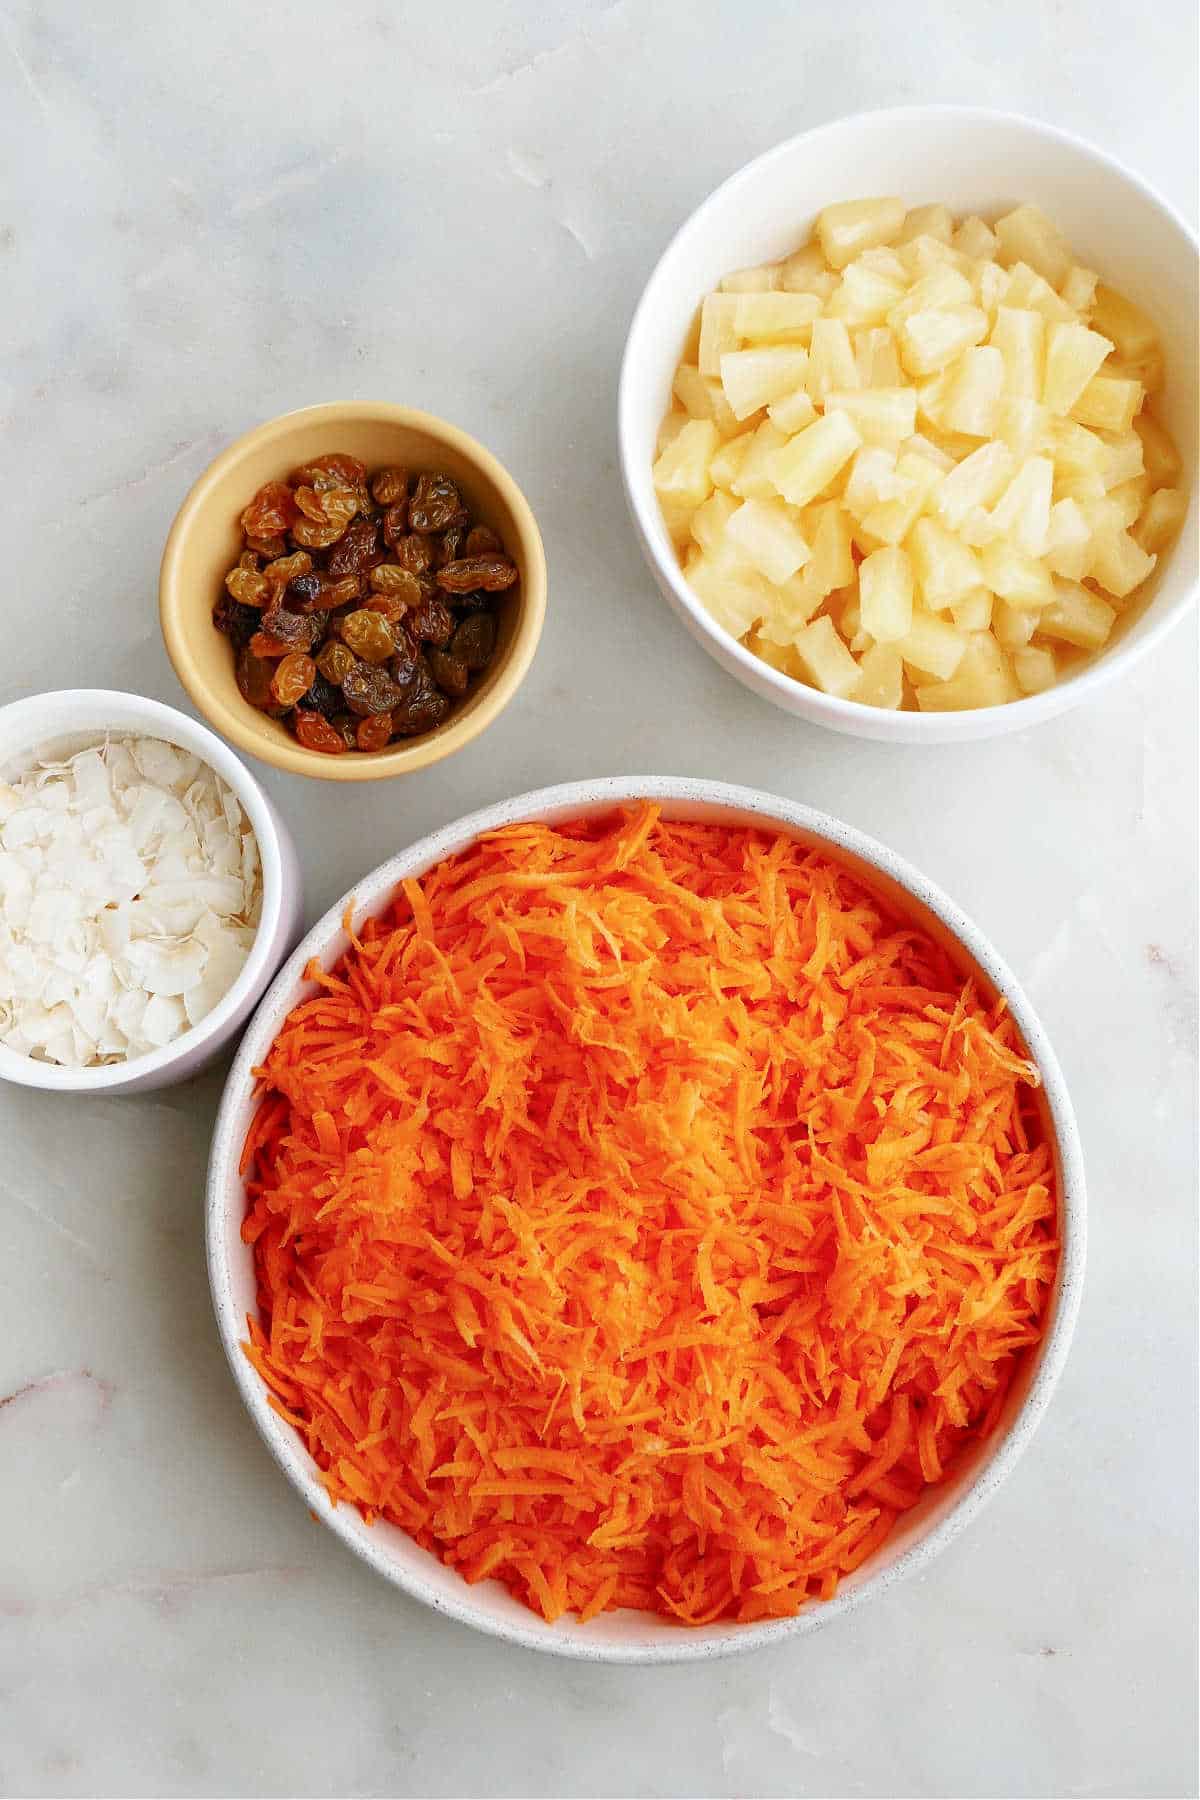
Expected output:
(401, 759)
(569, 1638)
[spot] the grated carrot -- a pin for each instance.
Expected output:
(645, 1214)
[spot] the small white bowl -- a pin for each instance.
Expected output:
(972, 161)
(69, 721)
(627, 1636)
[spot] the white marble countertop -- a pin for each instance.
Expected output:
(214, 213)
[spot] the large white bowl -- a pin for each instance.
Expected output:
(632, 1636)
(76, 717)
(974, 162)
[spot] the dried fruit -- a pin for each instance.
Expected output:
(450, 674)
(389, 606)
(263, 644)
(272, 510)
(253, 675)
(421, 706)
(322, 697)
(432, 622)
(268, 547)
(481, 540)
(448, 546)
(413, 552)
(314, 536)
(388, 578)
(316, 732)
(288, 568)
(305, 594)
(435, 505)
(389, 487)
(342, 591)
(358, 549)
(347, 725)
(328, 506)
(299, 631)
(369, 635)
(248, 587)
(369, 689)
(335, 470)
(374, 731)
(293, 677)
(474, 641)
(238, 622)
(335, 662)
(490, 573)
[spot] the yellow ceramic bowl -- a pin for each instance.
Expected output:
(205, 541)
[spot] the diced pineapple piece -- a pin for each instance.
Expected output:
(970, 404)
(991, 286)
(1013, 626)
(710, 519)
(775, 318)
(885, 586)
(984, 677)
(848, 618)
(880, 678)
(1109, 402)
(852, 226)
(807, 272)
(922, 255)
(670, 429)
(872, 478)
(1075, 449)
(932, 396)
(927, 221)
(753, 378)
(933, 646)
(1127, 500)
(1022, 425)
(1127, 325)
(1021, 580)
(975, 239)
(920, 445)
(1161, 519)
(1078, 289)
(977, 481)
(760, 280)
(1020, 337)
(891, 520)
(1027, 289)
(881, 415)
(1119, 563)
(1162, 459)
(752, 479)
(1073, 355)
(1068, 541)
(825, 659)
(942, 287)
(875, 355)
(703, 398)
(730, 593)
(793, 412)
(1023, 510)
(974, 611)
(1035, 669)
(681, 477)
(779, 656)
(718, 332)
(1123, 460)
(729, 458)
(809, 462)
(1149, 370)
(766, 533)
(865, 296)
(1077, 616)
(831, 360)
(791, 607)
(945, 568)
(931, 339)
(1027, 235)
(1106, 515)
(827, 528)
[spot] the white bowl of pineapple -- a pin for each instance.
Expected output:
(918, 467)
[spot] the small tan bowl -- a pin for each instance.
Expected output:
(205, 540)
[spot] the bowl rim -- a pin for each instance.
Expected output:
(851, 716)
(158, 720)
(599, 795)
(418, 753)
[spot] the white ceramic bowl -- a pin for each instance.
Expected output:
(632, 1636)
(72, 719)
(973, 161)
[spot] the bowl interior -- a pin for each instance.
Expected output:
(972, 161)
(626, 1635)
(62, 723)
(207, 540)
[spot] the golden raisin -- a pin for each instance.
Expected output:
(389, 487)
(264, 645)
(468, 573)
(369, 635)
(482, 541)
(388, 578)
(246, 585)
(272, 510)
(314, 536)
(335, 662)
(331, 471)
(316, 733)
(288, 568)
(293, 676)
(373, 732)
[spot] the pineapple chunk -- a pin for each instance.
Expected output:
(977, 481)
(807, 272)
(1119, 563)
(1021, 580)
(1076, 450)
(1023, 511)
(729, 458)
(761, 280)
(681, 477)
(1109, 402)
(1162, 459)
(970, 403)
(1020, 337)
(865, 296)
(1027, 289)
(1127, 500)
(752, 480)
(1022, 425)
(1068, 541)
(984, 678)
(931, 339)
(923, 254)
(1035, 669)
(932, 396)
(872, 478)
(885, 262)
(991, 286)
(703, 398)
(1073, 355)
(793, 412)
(1027, 235)
(710, 519)
(927, 221)
(753, 378)
(920, 445)
(775, 318)
(852, 226)
(942, 287)
(974, 611)
(880, 678)
(975, 239)
(767, 535)
(670, 429)
(810, 460)
(891, 520)
(1126, 324)
(779, 656)
(932, 646)
(1078, 290)
(731, 593)
(881, 415)
(718, 332)
(1123, 460)
(1013, 626)
(825, 659)
(875, 355)
(945, 568)
(831, 361)
(885, 587)
(1161, 518)
(827, 528)
(1077, 616)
